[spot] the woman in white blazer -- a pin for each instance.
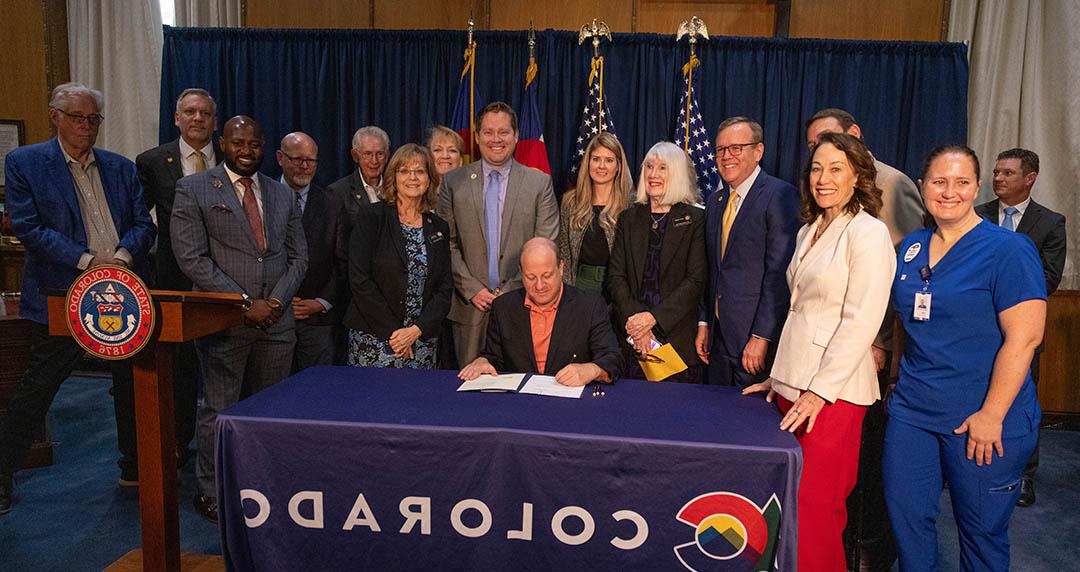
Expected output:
(824, 375)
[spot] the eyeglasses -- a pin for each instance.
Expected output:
(300, 161)
(735, 150)
(369, 155)
(418, 173)
(93, 119)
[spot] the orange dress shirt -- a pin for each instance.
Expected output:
(541, 322)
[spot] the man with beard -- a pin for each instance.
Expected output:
(317, 305)
(236, 230)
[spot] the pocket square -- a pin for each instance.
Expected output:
(222, 208)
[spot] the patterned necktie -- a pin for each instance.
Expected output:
(1007, 222)
(727, 221)
(251, 210)
(200, 161)
(300, 202)
(491, 225)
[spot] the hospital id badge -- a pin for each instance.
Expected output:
(922, 307)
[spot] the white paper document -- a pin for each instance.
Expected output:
(503, 382)
(546, 385)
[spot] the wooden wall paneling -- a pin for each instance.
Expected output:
(731, 18)
(309, 14)
(562, 14)
(1059, 367)
(868, 19)
(24, 93)
(427, 15)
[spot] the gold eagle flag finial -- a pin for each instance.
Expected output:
(693, 28)
(595, 30)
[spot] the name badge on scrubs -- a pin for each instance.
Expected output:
(922, 307)
(922, 299)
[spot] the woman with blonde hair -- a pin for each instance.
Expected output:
(591, 211)
(447, 147)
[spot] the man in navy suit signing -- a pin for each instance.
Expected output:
(750, 229)
(236, 230)
(73, 206)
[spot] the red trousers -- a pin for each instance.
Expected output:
(830, 468)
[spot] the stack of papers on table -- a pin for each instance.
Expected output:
(512, 382)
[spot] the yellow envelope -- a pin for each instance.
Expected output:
(661, 363)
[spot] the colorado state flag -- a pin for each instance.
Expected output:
(468, 102)
(531, 150)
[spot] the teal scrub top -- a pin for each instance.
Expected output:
(948, 360)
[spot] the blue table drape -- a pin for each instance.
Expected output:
(319, 471)
(907, 96)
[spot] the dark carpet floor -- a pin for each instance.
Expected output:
(73, 517)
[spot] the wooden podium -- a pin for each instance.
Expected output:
(181, 317)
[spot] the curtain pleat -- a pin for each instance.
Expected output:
(907, 96)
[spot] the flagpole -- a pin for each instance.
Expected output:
(472, 85)
(596, 30)
(692, 28)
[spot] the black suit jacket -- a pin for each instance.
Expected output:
(378, 276)
(159, 169)
(327, 262)
(349, 191)
(581, 334)
(683, 267)
(1045, 228)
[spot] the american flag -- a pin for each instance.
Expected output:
(595, 117)
(693, 136)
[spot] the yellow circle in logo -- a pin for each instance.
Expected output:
(721, 536)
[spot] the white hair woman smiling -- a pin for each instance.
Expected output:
(656, 275)
(680, 181)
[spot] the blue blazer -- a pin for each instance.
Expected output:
(46, 217)
(749, 286)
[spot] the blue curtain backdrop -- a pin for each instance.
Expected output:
(907, 96)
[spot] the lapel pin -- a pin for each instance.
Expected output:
(168, 159)
(473, 176)
(217, 184)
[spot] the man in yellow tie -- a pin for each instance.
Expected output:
(750, 228)
(159, 169)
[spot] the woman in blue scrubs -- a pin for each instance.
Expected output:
(972, 298)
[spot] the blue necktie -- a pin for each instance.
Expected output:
(491, 225)
(1007, 222)
(300, 202)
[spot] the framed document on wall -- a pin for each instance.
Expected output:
(12, 135)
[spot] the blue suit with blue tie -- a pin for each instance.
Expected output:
(747, 292)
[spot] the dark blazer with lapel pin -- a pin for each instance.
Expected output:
(214, 245)
(1045, 228)
(682, 273)
(748, 286)
(46, 216)
(324, 222)
(581, 334)
(378, 273)
(349, 191)
(159, 169)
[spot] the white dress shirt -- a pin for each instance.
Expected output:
(187, 158)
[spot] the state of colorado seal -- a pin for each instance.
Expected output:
(110, 313)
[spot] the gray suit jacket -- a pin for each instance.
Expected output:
(902, 207)
(214, 245)
(530, 210)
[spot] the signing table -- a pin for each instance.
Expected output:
(374, 469)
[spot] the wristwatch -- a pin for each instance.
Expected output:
(247, 302)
